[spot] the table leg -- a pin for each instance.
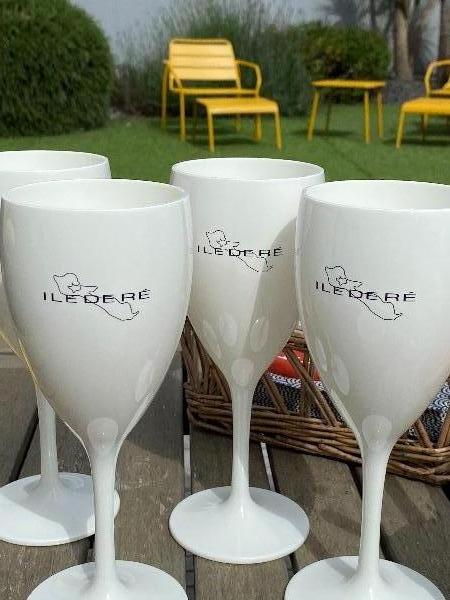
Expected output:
(366, 117)
(401, 125)
(380, 114)
(278, 140)
(182, 117)
(258, 128)
(312, 119)
(210, 130)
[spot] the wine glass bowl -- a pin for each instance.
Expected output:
(99, 303)
(375, 300)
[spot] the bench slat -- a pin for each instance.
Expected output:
(201, 49)
(205, 74)
(415, 528)
(202, 62)
(325, 489)
(18, 419)
(150, 478)
(211, 466)
(23, 568)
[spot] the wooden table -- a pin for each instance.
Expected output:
(239, 106)
(424, 107)
(151, 480)
(367, 87)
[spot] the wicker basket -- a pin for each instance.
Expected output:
(209, 406)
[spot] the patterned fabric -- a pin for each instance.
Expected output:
(289, 388)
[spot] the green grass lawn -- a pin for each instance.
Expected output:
(139, 149)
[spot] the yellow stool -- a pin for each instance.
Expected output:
(239, 106)
(421, 106)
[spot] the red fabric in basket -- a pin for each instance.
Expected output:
(282, 366)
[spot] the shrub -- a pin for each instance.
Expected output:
(343, 52)
(258, 33)
(56, 68)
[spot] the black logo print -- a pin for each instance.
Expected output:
(382, 305)
(72, 291)
(259, 261)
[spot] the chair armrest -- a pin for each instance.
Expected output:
(436, 64)
(172, 77)
(256, 68)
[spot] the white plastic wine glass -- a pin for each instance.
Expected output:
(243, 309)
(99, 303)
(50, 508)
(374, 293)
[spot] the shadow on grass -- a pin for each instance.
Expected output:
(322, 133)
(414, 142)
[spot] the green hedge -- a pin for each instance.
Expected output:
(56, 68)
(343, 52)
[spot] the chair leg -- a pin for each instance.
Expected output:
(423, 126)
(238, 123)
(182, 117)
(164, 86)
(278, 140)
(258, 128)
(209, 118)
(312, 119)
(366, 117)
(380, 114)
(401, 126)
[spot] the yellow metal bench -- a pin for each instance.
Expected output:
(422, 106)
(238, 106)
(193, 64)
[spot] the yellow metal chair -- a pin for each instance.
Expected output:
(433, 92)
(432, 67)
(193, 64)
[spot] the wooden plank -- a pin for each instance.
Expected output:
(415, 528)
(210, 467)
(326, 491)
(18, 420)
(150, 478)
(23, 568)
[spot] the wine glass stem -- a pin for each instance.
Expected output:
(103, 467)
(374, 473)
(241, 399)
(47, 439)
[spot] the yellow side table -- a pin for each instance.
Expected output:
(425, 107)
(376, 87)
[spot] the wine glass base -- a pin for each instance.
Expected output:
(32, 514)
(137, 581)
(209, 525)
(332, 579)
